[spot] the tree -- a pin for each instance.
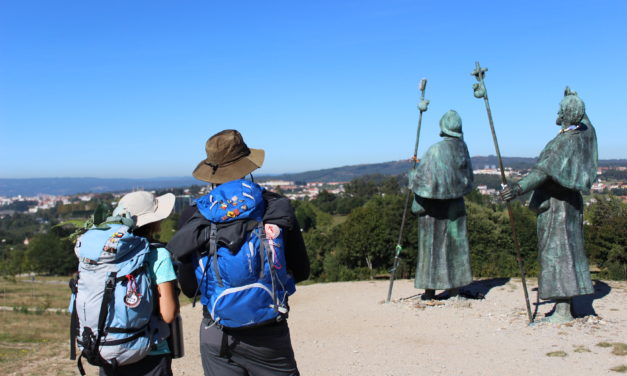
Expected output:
(491, 244)
(368, 237)
(605, 233)
(49, 254)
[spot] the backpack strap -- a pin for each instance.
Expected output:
(263, 251)
(74, 324)
(266, 252)
(104, 307)
(213, 251)
(91, 348)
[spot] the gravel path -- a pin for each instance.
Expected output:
(346, 329)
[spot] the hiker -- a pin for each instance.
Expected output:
(566, 167)
(150, 211)
(241, 249)
(123, 329)
(439, 182)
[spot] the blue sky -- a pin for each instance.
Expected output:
(134, 88)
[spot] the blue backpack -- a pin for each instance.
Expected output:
(250, 285)
(112, 303)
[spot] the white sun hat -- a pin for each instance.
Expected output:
(144, 207)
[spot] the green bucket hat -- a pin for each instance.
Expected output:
(228, 158)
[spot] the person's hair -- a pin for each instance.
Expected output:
(148, 230)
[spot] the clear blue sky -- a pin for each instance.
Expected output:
(134, 88)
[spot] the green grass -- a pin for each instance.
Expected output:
(168, 228)
(581, 349)
(604, 344)
(339, 219)
(306, 282)
(45, 292)
(557, 354)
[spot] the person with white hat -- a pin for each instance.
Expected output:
(219, 227)
(147, 212)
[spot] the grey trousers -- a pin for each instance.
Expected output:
(262, 351)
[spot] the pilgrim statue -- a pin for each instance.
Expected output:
(566, 167)
(439, 183)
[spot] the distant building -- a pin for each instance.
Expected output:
(276, 183)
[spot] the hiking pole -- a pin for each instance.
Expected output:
(481, 92)
(422, 106)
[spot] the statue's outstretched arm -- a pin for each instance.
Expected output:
(533, 180)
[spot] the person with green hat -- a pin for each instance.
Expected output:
(439, 183)
(239, 245)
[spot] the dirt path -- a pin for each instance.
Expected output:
(344, 329)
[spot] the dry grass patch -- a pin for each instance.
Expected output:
(44, 292)
(620, 369)
(556, 354)
(620, 349)
(32, 344)
(581, 349)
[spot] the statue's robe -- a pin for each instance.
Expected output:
(566, 166)
(440, 181)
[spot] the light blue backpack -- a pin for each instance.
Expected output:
(250, 286)
(113, 302)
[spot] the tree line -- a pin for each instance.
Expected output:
(351, 235)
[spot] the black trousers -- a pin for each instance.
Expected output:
(262, 351)
(155, 365)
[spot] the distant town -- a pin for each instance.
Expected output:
(609, 180)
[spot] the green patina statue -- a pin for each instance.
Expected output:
(566, 166)
(439, 183)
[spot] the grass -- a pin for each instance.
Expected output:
(339, 219)
(581, 349)
(620, 369)
(619, 348)
(44, 292)
(34, 344)
(557, 354)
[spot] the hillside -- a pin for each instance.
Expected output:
(69, 186)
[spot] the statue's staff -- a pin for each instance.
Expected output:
(422, 107)
(481, 92)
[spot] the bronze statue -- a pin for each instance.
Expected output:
(566, 166)
(439, 183)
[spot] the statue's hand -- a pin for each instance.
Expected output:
(510, 192)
